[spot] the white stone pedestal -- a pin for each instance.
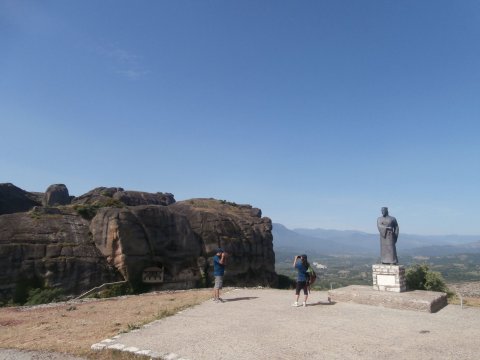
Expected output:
(389, 278)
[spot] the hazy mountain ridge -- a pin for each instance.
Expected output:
(285, 238)
(361, 243)
(444, 250)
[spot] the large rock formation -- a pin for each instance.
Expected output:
(111, 234)
(56, 194)
(97, 195)
(241, 231)
(14, 199)
(136, 198)
(49, 247)
(135, 238)
(182, 239)
(103, 195)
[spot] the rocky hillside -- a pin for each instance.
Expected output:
(109, 234)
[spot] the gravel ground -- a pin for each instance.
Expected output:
(468, 288)
(261, 324)
(11, 354)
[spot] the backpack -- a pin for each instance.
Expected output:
(312, 276)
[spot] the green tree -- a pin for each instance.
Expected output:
(420, 277)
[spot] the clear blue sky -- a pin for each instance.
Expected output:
(317, 112)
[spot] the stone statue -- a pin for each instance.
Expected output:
(388, 228)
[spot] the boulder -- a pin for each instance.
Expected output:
(56, 194)
(14, 199)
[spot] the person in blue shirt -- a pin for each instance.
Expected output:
(300, 263)
(219, 262)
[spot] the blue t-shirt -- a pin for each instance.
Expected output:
(218, 269)
(301, 271)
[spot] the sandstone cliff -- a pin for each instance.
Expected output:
(49, 247)
(135, 238)
(241, 231)
(110, 234)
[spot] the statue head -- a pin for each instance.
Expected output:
(384, 211)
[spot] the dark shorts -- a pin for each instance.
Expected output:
(301, 285)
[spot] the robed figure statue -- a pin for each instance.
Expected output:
(388, 228)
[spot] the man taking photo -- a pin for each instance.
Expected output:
(219, 261)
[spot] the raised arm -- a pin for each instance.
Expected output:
(223, 258)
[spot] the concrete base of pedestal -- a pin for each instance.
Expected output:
(389, 278)
(419, 300)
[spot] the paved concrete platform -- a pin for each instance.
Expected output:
(429, 301)
(262, 324)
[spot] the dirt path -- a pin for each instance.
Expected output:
(261, 323)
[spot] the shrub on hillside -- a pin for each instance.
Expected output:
(88, 211)
(420, 277)
(43, 296)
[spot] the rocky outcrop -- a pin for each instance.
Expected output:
(182, 239)
(49, 247)
(103, 195)
(56, 194)
(241, 231)
(135, 238)
(97, 195)
(137, 198)
(14, 199)
(110, 234)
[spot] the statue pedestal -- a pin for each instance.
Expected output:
(418, 300)
(389, 278)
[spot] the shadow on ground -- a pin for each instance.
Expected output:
(241, 298)
(322, 303)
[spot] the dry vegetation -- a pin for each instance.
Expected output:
(73, 327)
(469, 291)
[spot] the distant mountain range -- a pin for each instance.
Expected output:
(332, 242)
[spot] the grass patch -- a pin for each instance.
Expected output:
(467, 301)
(44, 296)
